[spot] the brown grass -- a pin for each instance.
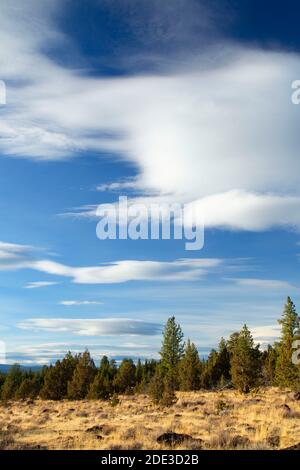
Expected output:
(222, 420)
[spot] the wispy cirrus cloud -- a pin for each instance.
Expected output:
(15, 256)
(264, 283)
(71, 303)
(132, 270)
(21, 257)
(93, 327)
(38, 284)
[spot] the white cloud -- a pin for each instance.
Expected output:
(38, 284)
(131, 270)
(92, 327)
(222, 133)
(14, 256)
(49, 352)
(128, 183)
(71, 303)
(18, 257)
(266, 334)
(265, 283)
(242, 210)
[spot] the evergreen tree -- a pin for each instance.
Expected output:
(156, 387)
(12, 383)
(83, 376)
(269, 359)
(105, 368)
(232, 342)
(209, 377)
(172, 350)
(190, 368)
(245, 362)
(168, 397)
(57, 378)
(165, 380)
(223, 363)
(144, 374)
(2, 380)
(101, 387)
(138, 372)
(113, 368)
(29, 388)
(287, 373)
(161, 388)
(216, 370)
(125, 377)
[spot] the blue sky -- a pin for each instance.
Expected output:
(186, 101)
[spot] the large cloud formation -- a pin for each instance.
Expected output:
(220, 133)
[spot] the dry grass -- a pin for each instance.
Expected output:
(222, 420)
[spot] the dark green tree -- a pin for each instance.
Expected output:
(209, 375)
(29, 388)
(57, 378)
(138, 372)
(172, 351)
(223, 363)
(12, 382)
(161, 388)
(269, 360)
(83, 376)
(2, 380)
(124, 381)
(245, 362)
(166, 378)
(287, 373)
(190, 368)
(101, 388)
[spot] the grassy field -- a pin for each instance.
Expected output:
(214, 420)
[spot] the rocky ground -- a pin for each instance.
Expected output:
(270, 419)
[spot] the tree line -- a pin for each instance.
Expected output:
(237, 362)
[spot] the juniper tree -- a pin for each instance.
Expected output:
(161, 388)
(216, 371)
(269, 360)
(2, 380)
(83, 376)
(156, 387)
(101, 388)
(287, 373)
(245, 362)
(138, 372)
(29, 388)
(223, 362)
(125, 377)
(190, 368)
(12, 382)
(208, 376)
(57, 378)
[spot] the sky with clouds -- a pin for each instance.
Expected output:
(182, 101)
